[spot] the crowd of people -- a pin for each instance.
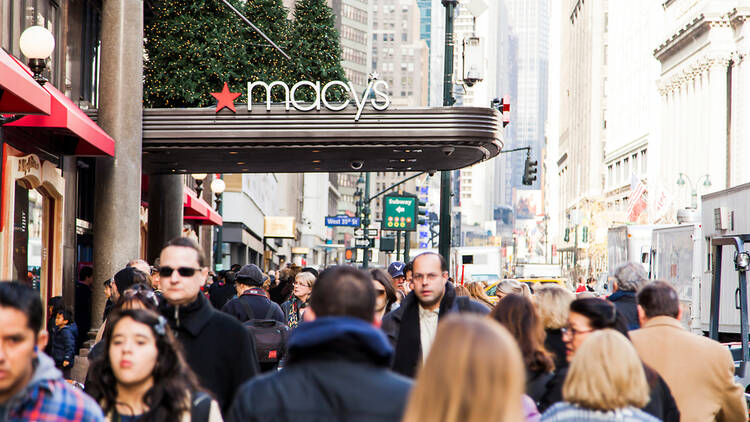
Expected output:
(179, 343)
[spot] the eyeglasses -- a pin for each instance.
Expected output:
(380, 292)
(183, 271)
(570, 331)
(301, 284)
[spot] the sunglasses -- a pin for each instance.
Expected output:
(380, 292)
(144, 294)
(183, 271)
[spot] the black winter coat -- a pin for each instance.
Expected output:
(555, 344)
(221, 293)
(63, 344)
(627, 305)
(337, 371)
(258, 302)
(407, 349)
(217, 347)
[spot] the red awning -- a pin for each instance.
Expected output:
(198, 210)
(67, 119)
(19, 92)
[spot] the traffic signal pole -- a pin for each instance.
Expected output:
(444, 244)
(366, 222)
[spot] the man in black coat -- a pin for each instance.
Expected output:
(217, 347)
(82, 310)
(629, 277)
(411, 328)
(249, 281)
(338, 363)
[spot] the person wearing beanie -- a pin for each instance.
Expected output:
(249, 281)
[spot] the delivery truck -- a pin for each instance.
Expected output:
(676, 258)
(629, 243)
(723, 213)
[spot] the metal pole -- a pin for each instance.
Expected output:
(398, 246)
(444, 245)
(366, 222)
(407, 244)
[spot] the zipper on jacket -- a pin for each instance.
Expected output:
(177, 316)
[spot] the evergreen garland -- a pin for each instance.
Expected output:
(317, 48)
(194, 46)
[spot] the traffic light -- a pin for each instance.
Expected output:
(567, 235)
(529, 171)
(585, 234)
(421, 212)
(350, 254)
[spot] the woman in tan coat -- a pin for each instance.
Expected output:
(142, 376)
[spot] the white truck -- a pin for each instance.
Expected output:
(629, 243)
(724, 213)
(477, 263)
(676, 258)
(538, 271)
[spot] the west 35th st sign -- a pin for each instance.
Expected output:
(376, 89)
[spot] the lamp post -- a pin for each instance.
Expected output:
(217, 187)
(693, 187)
(444, 244)
(199, 177)
(366, 221)
(37, 44)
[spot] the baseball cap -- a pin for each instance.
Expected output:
(250, 275)
(396, 269)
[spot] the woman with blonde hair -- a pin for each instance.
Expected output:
(605, 382)
(507, 287)
(553, 304)
(476, 292)
(294, 307)
(473, 361)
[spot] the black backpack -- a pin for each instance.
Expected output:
(270, 335)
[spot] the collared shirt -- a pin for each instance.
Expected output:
(428, 322)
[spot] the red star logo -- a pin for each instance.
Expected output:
(225, 98)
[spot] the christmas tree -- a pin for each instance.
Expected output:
(193, 47)
(317, 48)
(266, 63)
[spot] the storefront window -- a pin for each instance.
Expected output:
(27, 236)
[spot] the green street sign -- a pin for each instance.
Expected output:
(399, 213)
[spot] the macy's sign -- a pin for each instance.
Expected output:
(379, 90)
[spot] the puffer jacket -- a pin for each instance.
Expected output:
(337, 371)
(63, 343)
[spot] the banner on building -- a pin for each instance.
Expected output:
(279, 227)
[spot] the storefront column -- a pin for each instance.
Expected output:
(70, 269)
(165, 211)
(118, 180)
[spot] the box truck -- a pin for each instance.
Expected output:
(676, 258)
(724, 213)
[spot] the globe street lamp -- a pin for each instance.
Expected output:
(198, 177)
(37, 44)
(693, 188)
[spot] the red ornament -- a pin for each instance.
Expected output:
(225, 98)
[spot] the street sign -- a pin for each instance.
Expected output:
(400, 213)
(362, 243)
(371, 233)
(342, 220)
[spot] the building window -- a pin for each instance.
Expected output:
(644, 162)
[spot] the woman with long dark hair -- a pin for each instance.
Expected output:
(385, 293)
(142, 375)
(519, 316)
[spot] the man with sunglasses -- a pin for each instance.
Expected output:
(217, 347)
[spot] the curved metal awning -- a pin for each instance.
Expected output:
(200, 140)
